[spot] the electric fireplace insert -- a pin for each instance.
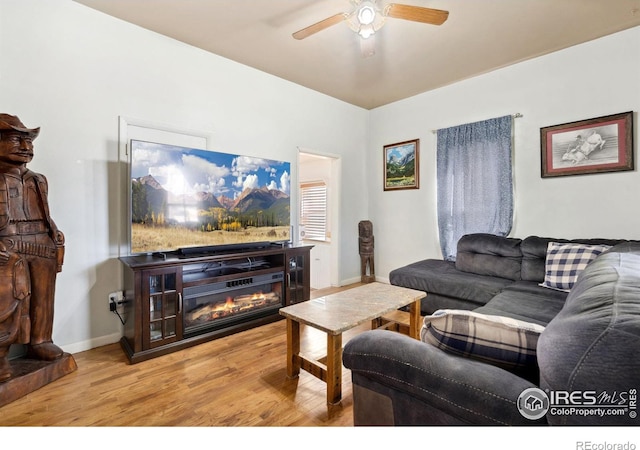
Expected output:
(215, 305)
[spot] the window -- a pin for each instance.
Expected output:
(313, 210)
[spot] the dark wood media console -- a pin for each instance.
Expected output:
(177, 300)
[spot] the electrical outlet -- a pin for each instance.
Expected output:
(115, 299)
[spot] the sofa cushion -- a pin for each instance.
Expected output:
(564, 263)
(594, 342)
(441, 277)
(526, 300)
(500, 341)
(433, 302)
(488, 254)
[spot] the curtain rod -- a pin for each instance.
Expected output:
(515, 116)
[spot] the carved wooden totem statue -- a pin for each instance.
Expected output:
(31, 250)
(365, 240)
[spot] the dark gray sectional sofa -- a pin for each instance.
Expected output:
(591, 342)
(494, 269)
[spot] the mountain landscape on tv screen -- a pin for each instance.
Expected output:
(184, 197)
(257, 207)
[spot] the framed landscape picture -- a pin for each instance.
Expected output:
(603, 144)
(401, 165)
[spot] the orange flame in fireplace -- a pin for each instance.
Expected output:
(232, 305)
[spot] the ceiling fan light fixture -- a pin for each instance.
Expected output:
(366, 14)
(366, 18)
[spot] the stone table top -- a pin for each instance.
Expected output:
(339, 312)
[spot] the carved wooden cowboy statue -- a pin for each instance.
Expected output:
(365, 241)
(31, 250)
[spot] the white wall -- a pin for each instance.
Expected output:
(591, 80)
(74, 71)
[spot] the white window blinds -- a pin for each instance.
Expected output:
(313, 210)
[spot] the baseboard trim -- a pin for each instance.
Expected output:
(82, 346)
(358, 279)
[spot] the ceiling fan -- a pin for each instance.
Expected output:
(368, 17)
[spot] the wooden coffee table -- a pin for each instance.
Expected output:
(337, 313)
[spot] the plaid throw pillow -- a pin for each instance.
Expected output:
(565, 262)
(497, 340)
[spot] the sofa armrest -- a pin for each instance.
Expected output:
(398, 380)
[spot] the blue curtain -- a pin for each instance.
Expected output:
(475, 187)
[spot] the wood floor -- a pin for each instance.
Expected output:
(238, 380)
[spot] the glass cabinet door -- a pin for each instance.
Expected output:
(298, 275)
(164, 316)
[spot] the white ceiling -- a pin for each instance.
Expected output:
(410, 57)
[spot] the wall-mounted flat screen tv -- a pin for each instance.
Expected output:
(185, 199)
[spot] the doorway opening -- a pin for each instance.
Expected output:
(320, 170)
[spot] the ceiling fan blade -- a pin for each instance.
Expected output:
(416, 13)
(326, 23)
